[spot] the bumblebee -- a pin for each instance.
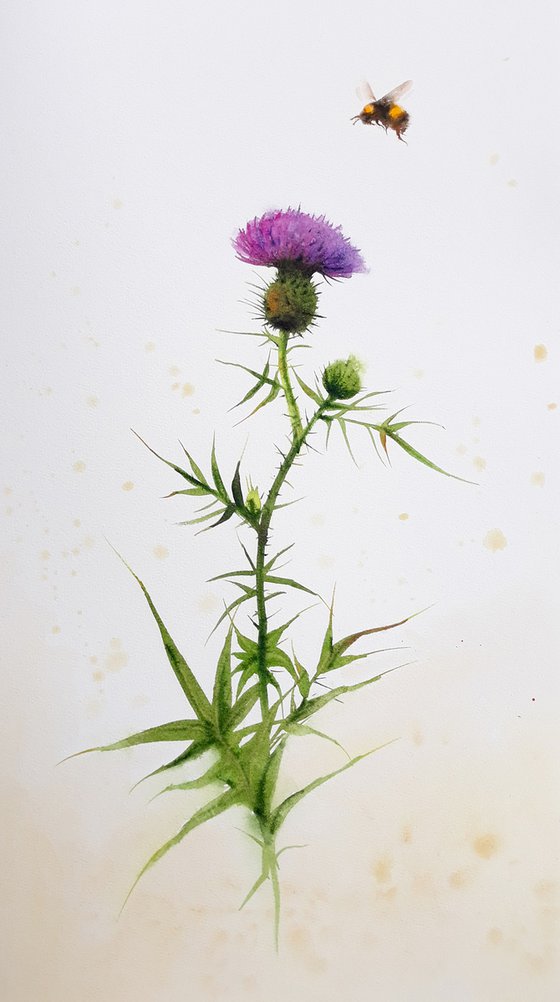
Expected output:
(385, 112)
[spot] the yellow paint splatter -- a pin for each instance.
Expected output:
(117, 204)
(8, 491)
(161, 552)
(188, 390)
(92, 401)
(45, 555)
(382, 870)
(116, 658)
(457, 879)
(98, 676)
(174, 370)
(317, 519)
(79, 466)
(55, 629)
(150, 346)
(88, 542)
(479, 463)
(127, 486)
(207, 603)
(175, 386)
(512, 183)
(77, 523)
(418, 373)
(196, 410)
(493, 159)
(537, 479)
(404, 516)
(495, 540)
(407, 834)
(495, 936)
(540, 353)
(552, 406)
(486, 846)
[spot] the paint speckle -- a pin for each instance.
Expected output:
(187, 390)
(325, 561)
(495, 540)
(382, 870)
(79, 466)
(207, 603)
(418, 373)
(493, 159)
(55, 629)
(45, 555)
(540, 353)
(116, 658)
(461, 449)
(457, 879)
(127, 486)
(512, 183)
(175, 386)
(88, 542)
(98, 676)
(174, 370)
(479, 463)
(537, 479)
(404, 516)
(92, 401)
(117, 204)
(486, 846)
(552, 406)
(150, 346)
(317, 519)
(495, 936)
(76, 291)
(407, 834)
(8, 491)
(196, 410)
(161, 552)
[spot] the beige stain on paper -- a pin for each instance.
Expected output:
(160, 552)
(116, 657)
(537, 479)
(540, 353)
(486, 845)
(495, 540)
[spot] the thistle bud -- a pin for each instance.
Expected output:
(253, 501)
(342, 379)
(290, 301)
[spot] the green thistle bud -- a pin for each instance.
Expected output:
(343, 379)
(253, 501)
(290, 301)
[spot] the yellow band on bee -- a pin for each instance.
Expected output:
(368, 109)
(396, 111)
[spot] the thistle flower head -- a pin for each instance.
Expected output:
(291, 236)
(343, 379)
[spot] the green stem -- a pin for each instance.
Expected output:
(284, 373)
(262, 536)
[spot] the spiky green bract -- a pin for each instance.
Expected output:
(290, 301)
(343, 379)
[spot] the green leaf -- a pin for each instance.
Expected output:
(194, 751)
(287, 805)
(243, 706)
(210, 776)
(290, 583)
(346, 642)
(177, 730)
(308, 391)
(220, 486)
(236, 491)
(187, 680)
(269, 779)
(303, 730)
(222, 684)
(178, 469)
(217, 806)
(233, 605)
(422, 459)
(192, 491)
(276, 557)
(196, 469)
(327, 646)
(311, 706)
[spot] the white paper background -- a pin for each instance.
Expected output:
(137, 137)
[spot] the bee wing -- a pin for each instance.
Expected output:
(394, 95)
(365, 93)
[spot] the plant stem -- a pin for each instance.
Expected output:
(299, 436)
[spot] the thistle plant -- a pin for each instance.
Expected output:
(262, 695)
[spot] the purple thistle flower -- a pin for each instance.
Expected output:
(290, 235)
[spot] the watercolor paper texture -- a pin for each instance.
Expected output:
(138, 138)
